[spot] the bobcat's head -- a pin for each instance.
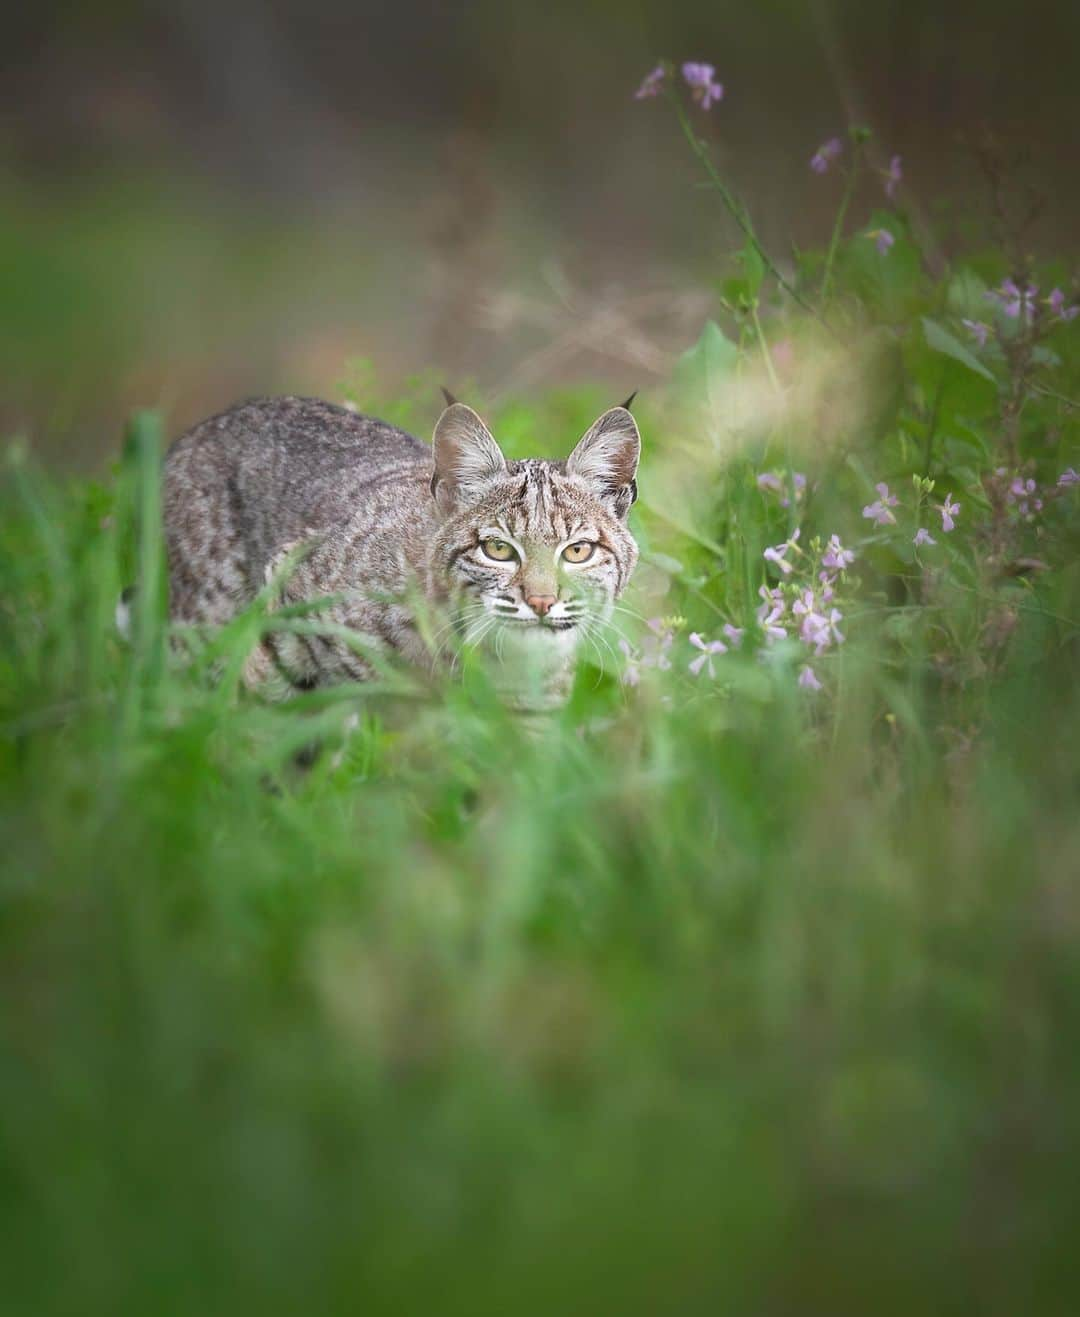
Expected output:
(533, 554)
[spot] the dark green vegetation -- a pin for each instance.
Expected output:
(713, 994)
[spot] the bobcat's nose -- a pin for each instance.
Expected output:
(540, 603)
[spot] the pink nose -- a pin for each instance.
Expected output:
(540, 603)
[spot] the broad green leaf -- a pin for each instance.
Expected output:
(702, 372)
(940, 340)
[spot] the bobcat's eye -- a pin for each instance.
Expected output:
(499, 550)
(582, 551)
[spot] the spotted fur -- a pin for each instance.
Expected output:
(342, 505)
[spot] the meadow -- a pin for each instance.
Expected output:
(748, 983)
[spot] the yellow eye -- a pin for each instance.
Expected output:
(582, 551)
(499, 550)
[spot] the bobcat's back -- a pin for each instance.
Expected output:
(241, 486)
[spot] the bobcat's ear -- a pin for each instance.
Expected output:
(606, 459)
(466, 457)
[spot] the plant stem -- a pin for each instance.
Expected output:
(793, 511)
(764, 348)
(734, 209)
(838, 227)
(931, 426)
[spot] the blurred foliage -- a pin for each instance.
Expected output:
(713, 993)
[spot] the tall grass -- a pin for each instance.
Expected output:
(709, 996)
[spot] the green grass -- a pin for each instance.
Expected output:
(712, 996)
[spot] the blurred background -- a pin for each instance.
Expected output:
(208, 199)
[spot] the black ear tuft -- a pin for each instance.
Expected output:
(629, 400)
(450, 399)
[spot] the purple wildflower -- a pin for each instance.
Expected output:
(771, 612)
(804, 604)
(978, 330)
(883, 240)
(705, 658)
(799, 481)
(825, 154)
(1022, 493)
(734, 634)
(878, 511)
(1068, 477)
(657, 645)
(778, 485)
(773, 597)
(836, 556)
(631, 674)
(948, 511)
(893, 177)
(777, 554)
(1056, 302)
(701, 79)
(650, 84)
(653, 652)
(923, 536)
(827, 583)
(805, 607)
(808, 680)
(817, 629)
(1014, 301)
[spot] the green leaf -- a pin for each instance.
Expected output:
(1045, 356)
(702, 372)
(754, 267)
(966, 295)
(667, 564)
(940, 340)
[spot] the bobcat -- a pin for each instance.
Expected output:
(521, 558)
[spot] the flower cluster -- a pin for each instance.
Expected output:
(654, 652)
(651, 83)
(1058, 309)
(1015, 302)
(883, 240)
(656, 649)
(805, 611)
(880, 512)
(836, 558)
(1022, 494)
(710, 648)
(826, 153)
(775, 483)
(700, 78)
(1021, 303)
(831, 150)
